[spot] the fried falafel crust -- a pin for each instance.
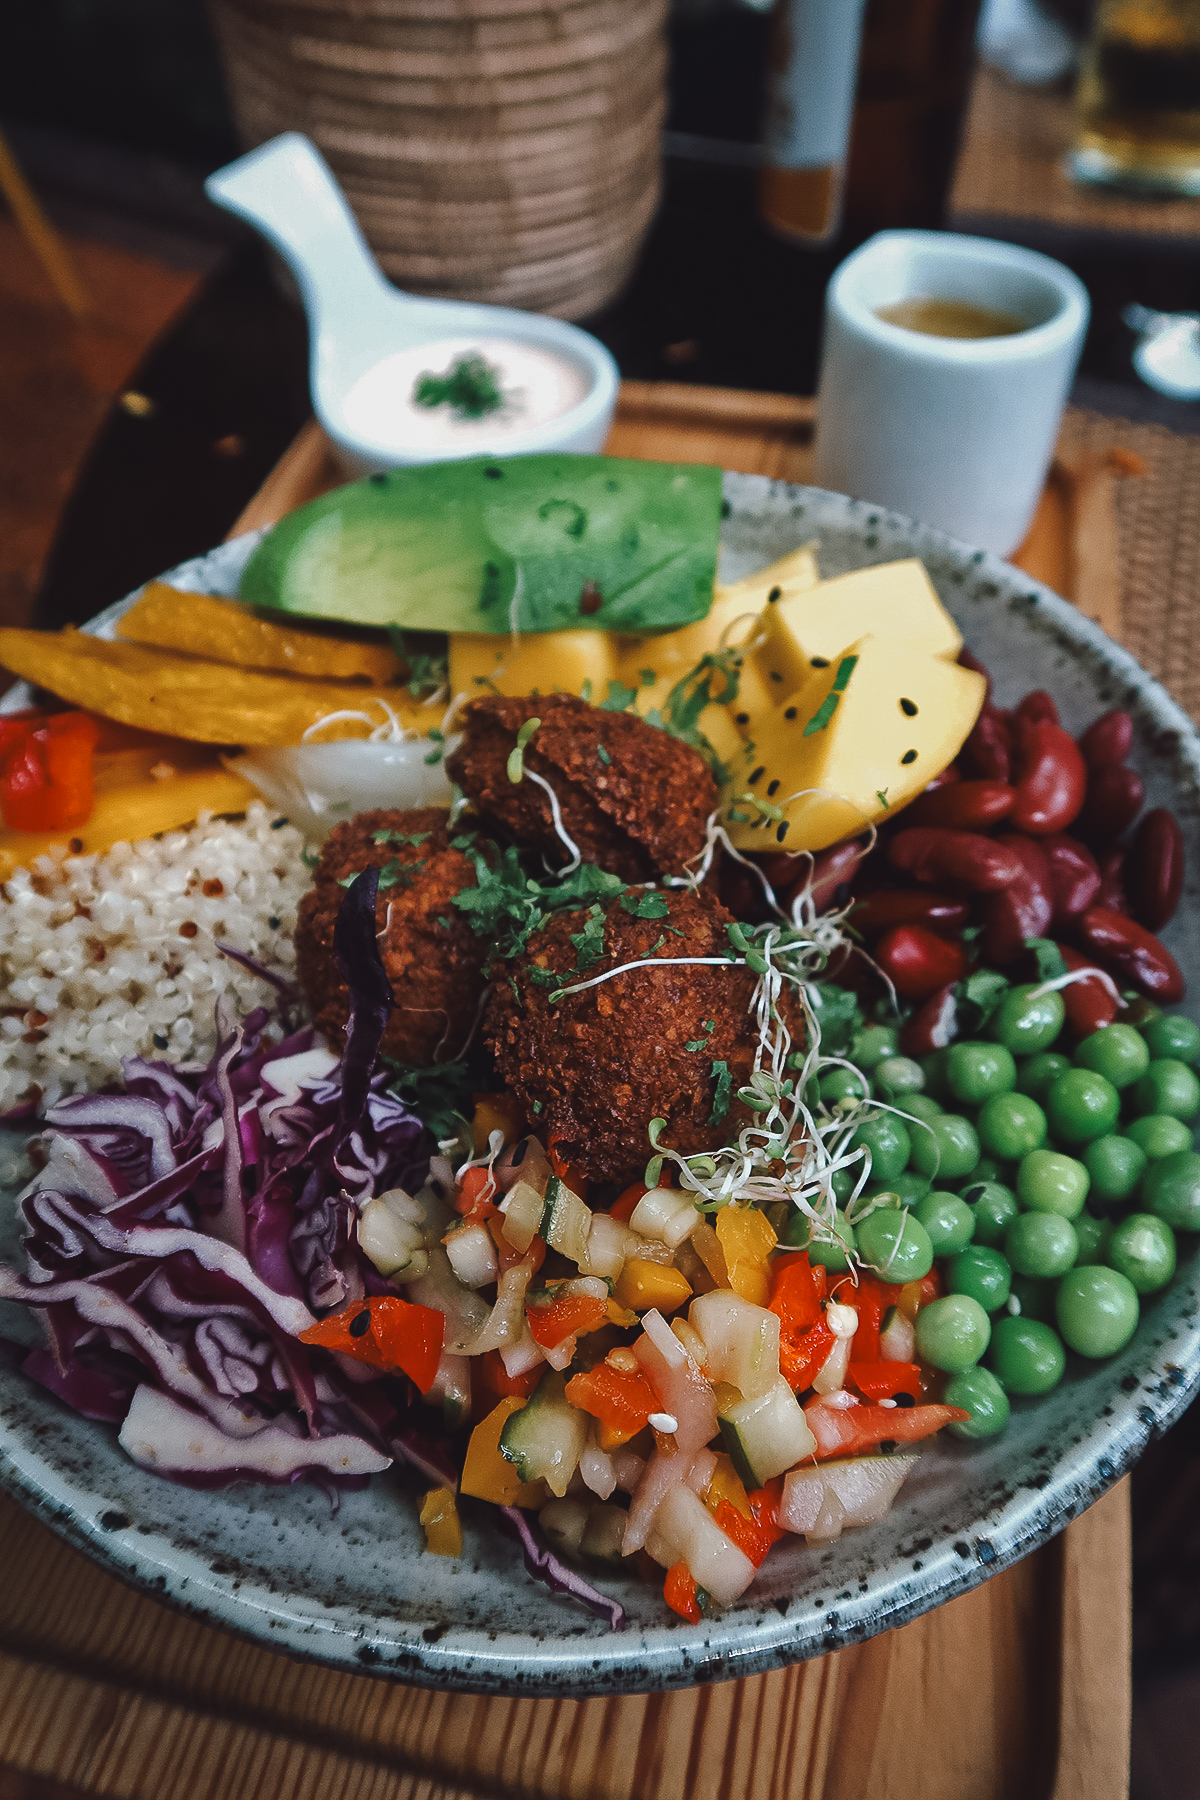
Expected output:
(596, 1067)
(432, 957)
(634, 799)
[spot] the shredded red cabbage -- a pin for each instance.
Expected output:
(544, 1566)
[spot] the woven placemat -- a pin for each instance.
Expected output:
(1011, 167)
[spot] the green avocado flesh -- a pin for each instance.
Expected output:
(532, 543)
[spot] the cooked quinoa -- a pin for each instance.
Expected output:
(113, 955)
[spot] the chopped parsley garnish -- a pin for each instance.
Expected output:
(645, 906)
(620, 698)
(605, 758)
(724, 1081)
(439, 1093)
(507, 906)
(415, 838)
(589, 943)
(470, 387)
(832, 700)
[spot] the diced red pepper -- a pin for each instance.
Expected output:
(560, 1319)
(884, 1380)
(388, 1333)
(805, 1340)
(475, 1193)
(754, 1535)
(681, 1593)
(621, 1400)
(46, 772)
(871, 1300)
(622, 1208)
(492, 1381)
(567, 1172)
(507, 1253)
(856, 1430)
(802, 1359)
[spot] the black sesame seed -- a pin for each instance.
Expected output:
(361, 1323)
(773, 788)
(743, 718)
(760, 771)
(905, 1400)
(910, 756)
(820, 662)
(889, 1447)
(775, 675)
(776, 593)
(494, 474)
(782, 832)
(791, 712)
(909, 708)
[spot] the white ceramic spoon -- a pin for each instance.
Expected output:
(357, 320)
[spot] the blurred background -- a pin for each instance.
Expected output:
(142, 408)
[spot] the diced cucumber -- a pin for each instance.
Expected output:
(897, 1339)
(741, 1341)
(522, 1206)
(766, 1435)
(547, 1437)
(566, 1221)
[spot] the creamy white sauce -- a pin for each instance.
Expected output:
(538, 385)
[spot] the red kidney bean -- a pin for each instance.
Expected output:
(1131, 953)
(932, 853)
(933, 1025)
(831, 868)
(1111, 892)
(1035, 707)
(909, 906)
(968, 660)
(987, 752)
(1114, 799)
(1154, 869)
(918, 962)
(1089, 1004)
(1074, 877)
(964, 806)
(1050, 777)
(1107, 739)
(1023, 909)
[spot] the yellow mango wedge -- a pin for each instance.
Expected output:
(227, 632)
(185, 696)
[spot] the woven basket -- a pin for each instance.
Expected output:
(502, 150)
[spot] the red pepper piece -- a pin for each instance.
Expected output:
(491, 1380)
(1035, 707)
(755, 1535)
(559, 1319)
(909, 906)
(1050, 776)
(1107, 739)
(918, 962)
(1155, 869)
(1131, 953)
(934, 854)
(854, 1430)
(884, 1380)
(567, 1173)
(1089, 1004)
(1074, 877)
(46, 773)
(1024, 909)
(681, 1593)
(1114, 800)
(620, 1399)
(870, 1301)
(933, 1025)
(963, 806)
(797, 1300)
(476, 1191)
(623, 1207)
(387, 1333)
(987, 753)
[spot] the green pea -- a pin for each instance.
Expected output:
(978, 1392)
(986, 1169)
(1041, 1244)
(909, 1188)
(1037, 1075)
(843, 1084)
(974, 1072)
(1035, 1298)
(1172, 1035)
(842, 1182)
(934, 1069)
(1159, 1135)
(949, 1148)
(1093, 1235)
(828, 1247)
(1170, 1087)
(898, 1075)
(1027, 1355)
(1081, 1106)
(1050, 1182)
(1171, 1189)
(1097, 1311)
(889, 1143)
(983, 1274)
(1010, 1126)
(1142, 1248)
(1025, 1024)
(952, 1333)
(995, 1207)
(920, 1106)
(871, 1045)
(948, 1220)
(1117, 1052)
(896, 1245)
(1115, 1164)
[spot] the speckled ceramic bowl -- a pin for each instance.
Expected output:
(356, 1590)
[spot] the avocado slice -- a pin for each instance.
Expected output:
(539, 543)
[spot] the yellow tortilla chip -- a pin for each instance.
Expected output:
(227, 632)
(208, 702)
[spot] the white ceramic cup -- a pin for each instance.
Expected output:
(958, 432)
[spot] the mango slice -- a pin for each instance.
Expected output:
(227, 632)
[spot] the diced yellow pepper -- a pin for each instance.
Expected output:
(441, 1523)
(747, 1238)
(726, 1484)
(543, 662)
(494, 1112)
(489, 1476)
(201, 625)
(641, 1285)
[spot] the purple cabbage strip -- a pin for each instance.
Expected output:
(544, 1566)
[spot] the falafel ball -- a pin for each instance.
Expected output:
(432, 957)
(596, 1067)
(634, 799)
